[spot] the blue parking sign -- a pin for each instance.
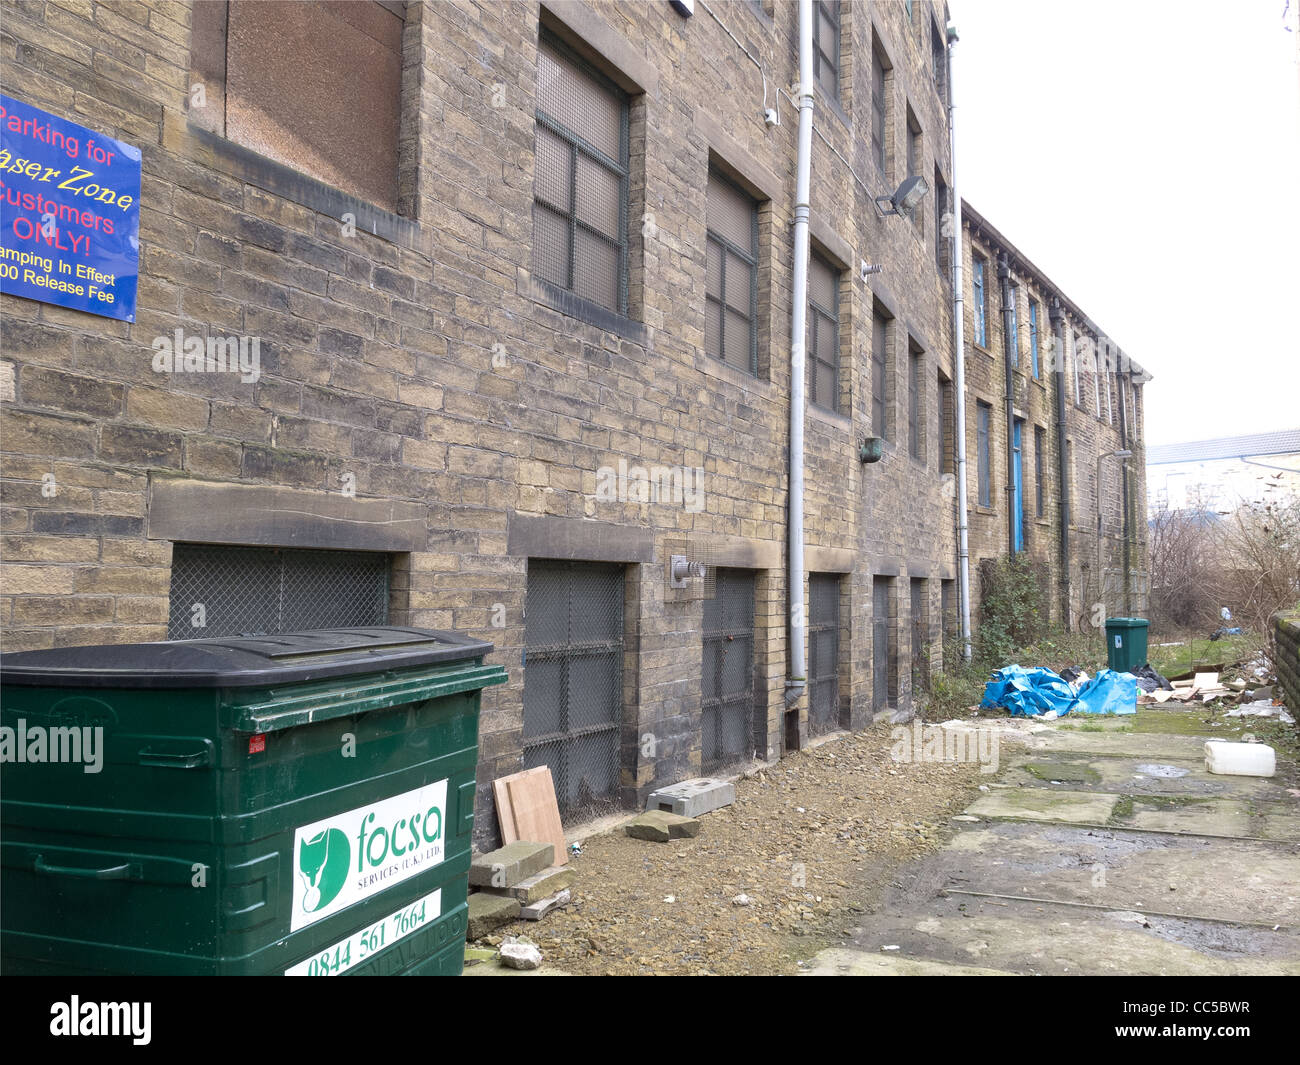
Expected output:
(69, 213)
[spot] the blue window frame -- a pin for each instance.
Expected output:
(981, 304)
(1033, 336)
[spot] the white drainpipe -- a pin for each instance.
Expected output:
(959, 368)
(798, 678)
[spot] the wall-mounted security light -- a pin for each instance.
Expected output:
(911, 192)
(871, 450)
(685, 8)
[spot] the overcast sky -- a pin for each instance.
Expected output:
(1145, 155)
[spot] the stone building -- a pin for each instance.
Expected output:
(517, 278)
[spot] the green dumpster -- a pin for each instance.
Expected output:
(299, 804)
(1126, 643)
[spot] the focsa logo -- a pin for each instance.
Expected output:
(342, 860)
(323, 862)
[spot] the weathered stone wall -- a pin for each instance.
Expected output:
(421, 393)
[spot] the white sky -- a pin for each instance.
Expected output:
(1145, 155)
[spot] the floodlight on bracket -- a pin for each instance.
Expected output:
(905, 198)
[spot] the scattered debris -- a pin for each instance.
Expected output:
(892, 946)
(535, 911)
(1166, 772)
(741, 900)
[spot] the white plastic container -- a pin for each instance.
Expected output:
(1240, 759)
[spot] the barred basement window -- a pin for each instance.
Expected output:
(731, 275)
(823, 333)
(218, 590)
(823, 653)
(580, 189)
(826, 46)
(573, 681)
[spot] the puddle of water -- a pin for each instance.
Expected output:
(1168, 772)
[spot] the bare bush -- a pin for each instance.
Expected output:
(1247, 560)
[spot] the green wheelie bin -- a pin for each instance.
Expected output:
(299, 804)
(1126, 644)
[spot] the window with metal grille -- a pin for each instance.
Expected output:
(580, 188)
(1040, 448)
(981, 303)
(915, 150)
(731, 275)
(879, 372)
(823, 653)
(826, 46)
(982, 437)
(1013, 336)
(879, 107)
(727, 683)
(1033, 337)
(941, 252)
(217, 590)
(920, 635)
(573, 681)
(823, 333)
(915, 364)
(948, 608)
(938, 61)
(884, 645)
(947, 415)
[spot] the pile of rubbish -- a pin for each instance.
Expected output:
(1039, 692)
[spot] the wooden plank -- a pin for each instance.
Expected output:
(527, 810)
(505, 815)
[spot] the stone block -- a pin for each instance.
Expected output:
(542, 884)
(660, 826)
(506, 867)
(487, 912)
(691, 798)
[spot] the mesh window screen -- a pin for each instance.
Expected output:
(727, 694)
(264, 590)
(879, 358)
(580, 186)
(573, 681)
(823, 355)
(823, 653)
(731, 276)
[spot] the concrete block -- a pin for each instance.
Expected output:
(537, 910)
(487, 912)
(691, 798)
(660, 826)
(547, 882)
(510, 864)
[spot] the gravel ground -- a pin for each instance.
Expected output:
(811, 841)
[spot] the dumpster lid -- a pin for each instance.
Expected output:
(239, 661)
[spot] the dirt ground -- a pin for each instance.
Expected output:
(812, 842)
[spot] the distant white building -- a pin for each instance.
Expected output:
(1224, 473)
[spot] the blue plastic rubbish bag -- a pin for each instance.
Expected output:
(1028, 692)
(1108, 693)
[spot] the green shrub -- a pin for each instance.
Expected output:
(1013, 607)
